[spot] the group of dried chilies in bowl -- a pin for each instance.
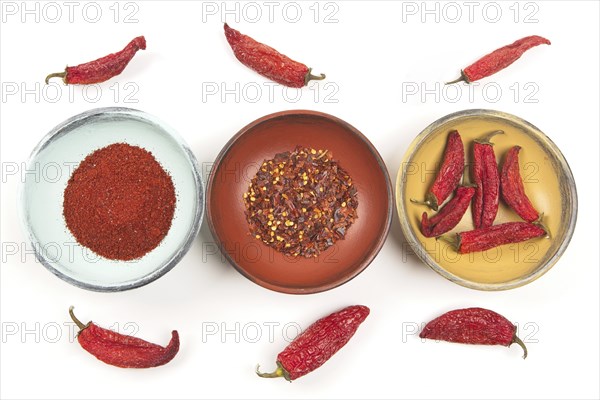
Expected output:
(291, 177)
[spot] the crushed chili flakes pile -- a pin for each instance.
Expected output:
(301, 202)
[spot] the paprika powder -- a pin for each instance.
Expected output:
(119, 202)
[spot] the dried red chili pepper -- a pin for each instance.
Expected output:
(487, 178)
(450, 172)
(450, 215)
(498, 59)
(494, 236)
(119, 202)
(267, 61)
(513, 191)
(313, 347)
(102, 69)
(473, 326)
(121, 350)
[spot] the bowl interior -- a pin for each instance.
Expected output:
(239, 162)
(548, 183)
(56, 158)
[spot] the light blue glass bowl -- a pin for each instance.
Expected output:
(55, 159)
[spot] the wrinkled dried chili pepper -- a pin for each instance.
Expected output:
(301, 202)
(267, 61)
(498, 59)
(450, 214)
(102, 69)
(318, 343)
(121, 350)
(450, 172)
(473, 326)
(513, 191)
(494, 236)
(487, 178)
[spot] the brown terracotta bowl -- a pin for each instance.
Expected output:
(239, 161)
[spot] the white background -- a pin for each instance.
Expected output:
(372, 55)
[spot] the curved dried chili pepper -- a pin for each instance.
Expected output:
(498, 59)
(494, 236)
(473, 326)
(267, 61)
(487, 178)
(513, 191)
(102, 69)
(450, 215)
(121, 350)
(449, 174)
(313, 347)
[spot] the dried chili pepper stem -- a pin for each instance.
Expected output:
(518, 341)
(461, 78)
(430, 201)
(77, 322)
(278, 373)
(486, 139)
(61, 75)
(310, 77)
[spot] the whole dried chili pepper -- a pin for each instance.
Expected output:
(498, 59)
(496, 235)
(450, 215)
(313, 347)
(267, 61)
(513, 191)
(449, 174)
(121, 350)
(102, 69)
(473, 326)
(486, 177)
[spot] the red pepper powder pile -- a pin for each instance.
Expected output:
(119, 202)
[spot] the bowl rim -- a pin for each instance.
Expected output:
(411, 238)
(380, 239)
(80, 119)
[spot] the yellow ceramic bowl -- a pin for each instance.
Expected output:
(548, 182)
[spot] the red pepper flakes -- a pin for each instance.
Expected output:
(119, 202)
(301, 202)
